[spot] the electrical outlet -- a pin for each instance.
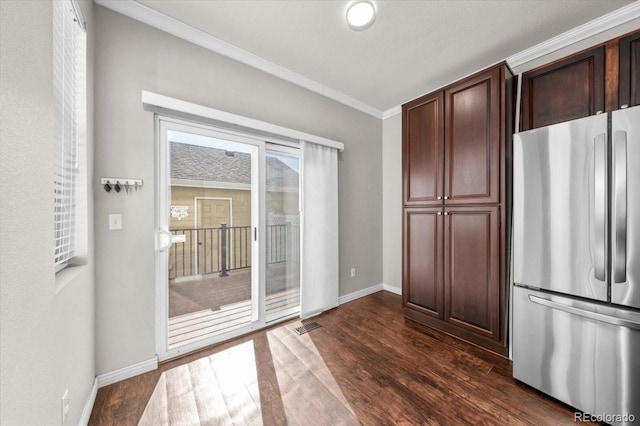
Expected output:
(65, 405)
(353, 272)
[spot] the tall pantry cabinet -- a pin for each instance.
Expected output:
(455, 167)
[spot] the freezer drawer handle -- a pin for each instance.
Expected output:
(620, 206)
(600, 205)
(584, 313)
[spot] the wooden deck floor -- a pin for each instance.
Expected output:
(365, 365)
(198, 325)
(210, 305)
(208, 292)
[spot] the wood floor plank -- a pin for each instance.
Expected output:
(157, 410)
(313, 383)
(183, 410)
(235, 371)
(366, 365)
(209, 400)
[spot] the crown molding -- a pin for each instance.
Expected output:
(158, 20)
(391, 112)
(591, 28)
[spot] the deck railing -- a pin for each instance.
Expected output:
(227, 248)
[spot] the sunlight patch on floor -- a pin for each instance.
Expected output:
(225, 388)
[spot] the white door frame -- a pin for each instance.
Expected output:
(163, 237)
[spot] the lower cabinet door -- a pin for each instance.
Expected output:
(471, 269)
(423, 260)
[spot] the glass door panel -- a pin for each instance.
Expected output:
(212, 197)
(282, 233)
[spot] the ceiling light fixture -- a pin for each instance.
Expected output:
(360, 15)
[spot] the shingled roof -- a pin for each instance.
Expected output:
(194, 162)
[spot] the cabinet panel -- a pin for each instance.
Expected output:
(455, 161)
(422, 150)
(564, 90)
(472, 281)
(629, 56)
(422, 269)
(472, 140)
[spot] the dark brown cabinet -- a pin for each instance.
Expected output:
(451, 154)
(600, 79)
(452, 266)
(454, 173)
(629, 60)
(564, 90)
(472, 140)
(471, 277)
(423, 260)
(423, 156)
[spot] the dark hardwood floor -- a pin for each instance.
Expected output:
(365, 365)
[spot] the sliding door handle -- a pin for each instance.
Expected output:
(619, 246)
(600, 205)
(160, 234)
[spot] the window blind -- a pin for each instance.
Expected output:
(67, 29)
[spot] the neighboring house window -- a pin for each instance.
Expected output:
(68, 37)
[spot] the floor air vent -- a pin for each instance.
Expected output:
(307, 327)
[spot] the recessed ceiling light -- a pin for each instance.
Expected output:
(361, 14)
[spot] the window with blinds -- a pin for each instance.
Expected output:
(67, 33)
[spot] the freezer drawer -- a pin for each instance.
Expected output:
(581, 353)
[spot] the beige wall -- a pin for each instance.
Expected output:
(132, 57)
(46, 319)
(392, 201)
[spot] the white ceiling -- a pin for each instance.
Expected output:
(412, 48)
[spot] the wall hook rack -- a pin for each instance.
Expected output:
(118, 184)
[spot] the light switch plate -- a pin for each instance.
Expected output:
(115, 222)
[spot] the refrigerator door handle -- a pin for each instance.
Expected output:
(600, 205)
(619, 206)
(623, 322)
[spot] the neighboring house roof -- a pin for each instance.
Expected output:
(194, 162)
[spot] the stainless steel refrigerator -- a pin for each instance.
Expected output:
(576, 263)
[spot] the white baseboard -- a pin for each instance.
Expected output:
(358, 294)
(88, 406)
(127, 372)
(367, 291)
(392, 289)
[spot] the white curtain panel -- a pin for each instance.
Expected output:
(319, 229)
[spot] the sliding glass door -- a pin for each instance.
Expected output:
(228, 250)
(283, 232)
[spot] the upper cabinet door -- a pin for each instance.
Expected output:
(564, 90)
(422, 152)
(472, 140)
(629, 89)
